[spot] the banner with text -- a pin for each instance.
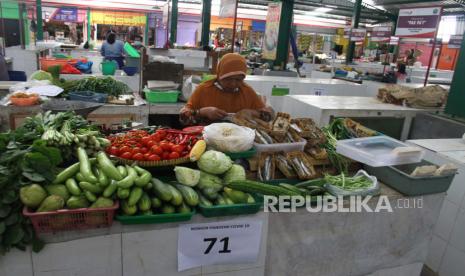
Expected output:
(455, 41)
(381, 34)
(65, 14)
(272, 30)
(347, 32)
(418, 22)
(227, 8)
(358, 35)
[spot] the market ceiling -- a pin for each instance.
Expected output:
(373, 11)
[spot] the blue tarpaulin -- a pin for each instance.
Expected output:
(258, 26)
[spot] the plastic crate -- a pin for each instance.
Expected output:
(398, 178)
(66, 220)
(161, 97)
(88, 96)
(286, 147)
(159, 218)
(230, 210)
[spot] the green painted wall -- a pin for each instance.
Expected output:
(9, 10)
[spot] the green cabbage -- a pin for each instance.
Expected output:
(214, 162)
(235, 173)
(187, 176)
(41, 75)
(209, 181)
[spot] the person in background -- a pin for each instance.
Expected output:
(3, 69)
(113, 49)
(227, 93)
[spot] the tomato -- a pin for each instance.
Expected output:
(165, 155)
(154, 157)
(165, 146)
(155, 138)
(161, 133)
(138, 156)
(144, 150)
(178, 148)
(146, 156)
(145, 140)
(124, 149)
(156, 149)
(113, 150)
(174, 155)
(135, 150)
(150, 143)
(126, 155)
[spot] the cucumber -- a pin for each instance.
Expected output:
(144, 203)
(80, 177)
(122, 193)
(90, 187)
(72, 187)
(161, 190)
(220, 200)
(314, 182)
(237, 197)
(176, 199)
(168, 209)
(183, 209)
(189, 195)
(110, 189)
(156, 202)
(134, 196)
(122, 170)
(250, 199)
(67, 173)
(103, 180)
(90, 196)
(203, 201)
(290, 187)
(209, 193)
(228, 200)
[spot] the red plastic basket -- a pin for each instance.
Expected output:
(77, 219)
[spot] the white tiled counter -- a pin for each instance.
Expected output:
(301, 243)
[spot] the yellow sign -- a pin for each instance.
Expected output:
(117, 18)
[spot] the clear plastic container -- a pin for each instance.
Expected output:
(379, 151)
(286, 147)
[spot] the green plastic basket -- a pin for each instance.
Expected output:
(243, 154)
(231, 210)
(158, 218)
(161, 97)
(131, 51)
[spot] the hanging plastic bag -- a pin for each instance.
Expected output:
(373, 190)
(227, 137)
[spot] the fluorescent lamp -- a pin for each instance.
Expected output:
(322, 10)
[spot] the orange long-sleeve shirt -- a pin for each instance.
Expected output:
(207, 94)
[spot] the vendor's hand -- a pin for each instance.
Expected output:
(267, 114)
(212, 113)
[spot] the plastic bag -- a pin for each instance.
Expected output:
(23, 86)
(373, 190)
(227, 137)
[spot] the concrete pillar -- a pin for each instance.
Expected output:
(40, 31)
(285, 24)
(355, 21)
(206, 17)
(456, 100)
(174, 22)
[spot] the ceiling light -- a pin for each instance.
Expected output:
(322, 10)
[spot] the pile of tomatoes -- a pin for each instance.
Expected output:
(161, 145)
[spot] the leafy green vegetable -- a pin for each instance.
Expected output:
(107, 85)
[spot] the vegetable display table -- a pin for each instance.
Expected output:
(323, 108)
(300, 243)
(131, 81)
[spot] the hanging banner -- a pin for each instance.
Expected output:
(227, 8)
(65, 14)
(381, 34)
(272, 30)
(117, 18)
(455, 41)
(418, 22)
(347, 32)
(358, 35)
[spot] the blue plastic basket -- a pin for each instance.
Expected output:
(88, 96)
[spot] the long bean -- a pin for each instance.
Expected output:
(349, 183)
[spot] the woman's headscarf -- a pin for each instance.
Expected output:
(231, 65)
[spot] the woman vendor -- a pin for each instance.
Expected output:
(227, 93)
(113, 49)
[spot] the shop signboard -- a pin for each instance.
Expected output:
(224, 242)
(455, 41)
(272, 30)
(118, 18)
(381, 34)
(347, 32)
(394, 40)
(418, 22)
(65, 14)
(227, 8)
(358, 35)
